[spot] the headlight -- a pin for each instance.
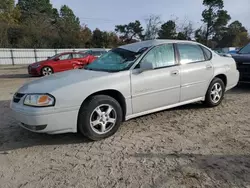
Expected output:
(39, 100)
(35, 66)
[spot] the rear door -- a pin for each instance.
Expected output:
(196, 70)
(79, 60)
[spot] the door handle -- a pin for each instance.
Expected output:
(175, 72)
(209, 66)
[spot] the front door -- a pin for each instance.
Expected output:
(158, 87)
(196, 71)
(65, 62)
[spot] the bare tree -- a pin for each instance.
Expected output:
(188, 30)
(153, 23)
(185, 29)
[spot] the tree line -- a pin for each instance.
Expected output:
(36, 24)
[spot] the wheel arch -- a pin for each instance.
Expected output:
(223, 77)
(114, 94)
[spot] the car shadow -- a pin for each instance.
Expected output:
(240, 88)
(220, 170)
(12, 136)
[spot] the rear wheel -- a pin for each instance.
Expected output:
(99, 117)
(46, 71)
(215, 93)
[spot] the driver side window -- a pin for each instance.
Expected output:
(65, 56)
(160, 56)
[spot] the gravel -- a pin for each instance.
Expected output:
(189, 146)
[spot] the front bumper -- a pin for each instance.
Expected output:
(45, 120)
(244, 69)
(33, 71)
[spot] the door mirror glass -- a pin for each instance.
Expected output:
(146, 66)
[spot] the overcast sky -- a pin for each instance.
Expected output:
(106, 14)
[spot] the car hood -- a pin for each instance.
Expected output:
(241, 57)
(56, 81)
(39, 63)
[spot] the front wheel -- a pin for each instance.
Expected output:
(215, 93)
(99, 117)
(46, 71)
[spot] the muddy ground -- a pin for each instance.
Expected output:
(189, 146)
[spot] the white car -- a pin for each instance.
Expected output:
(127, 82)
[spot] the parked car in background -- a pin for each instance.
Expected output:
(242, 58)
(127, 82)
(95, 52)
(232, 52)
(60, 62)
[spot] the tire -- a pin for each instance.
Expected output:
(93, 124)
(46, 71)
(216, 87)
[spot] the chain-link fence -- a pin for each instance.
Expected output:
(28, 56)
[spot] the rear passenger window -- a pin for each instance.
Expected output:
(190, 53)
(208, 54)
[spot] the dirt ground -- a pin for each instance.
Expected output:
(189, 146)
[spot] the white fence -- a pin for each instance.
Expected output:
(28, 56)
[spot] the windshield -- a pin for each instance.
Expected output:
(245, 50)
(115, 60)
(53, 57)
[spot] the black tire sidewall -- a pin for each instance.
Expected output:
(208, 99)
(86, 111)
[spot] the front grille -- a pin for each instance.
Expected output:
(244, 70)
(17, 97)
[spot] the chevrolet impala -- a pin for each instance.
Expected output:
(129, 81)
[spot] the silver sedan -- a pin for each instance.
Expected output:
(127, 82)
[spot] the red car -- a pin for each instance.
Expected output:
(60, 62)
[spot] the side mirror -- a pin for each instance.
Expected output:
(146, 66)
(56, 59)
(48, 57)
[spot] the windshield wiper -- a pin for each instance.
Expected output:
(87, 68)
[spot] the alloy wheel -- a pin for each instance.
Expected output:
(216, 93)
(47, 71)
(103, 119)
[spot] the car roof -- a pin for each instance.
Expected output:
(135, 47)
(69, 53)
(94, 50)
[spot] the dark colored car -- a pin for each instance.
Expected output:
(60, 62)
(242, 58)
